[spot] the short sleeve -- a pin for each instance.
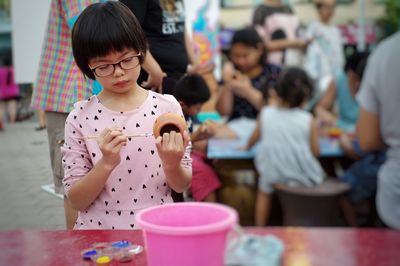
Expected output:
(76, 160)
(367, 96)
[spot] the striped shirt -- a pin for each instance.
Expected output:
(59, 82)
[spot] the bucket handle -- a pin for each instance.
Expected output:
(234, 238)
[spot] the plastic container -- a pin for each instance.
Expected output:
(188, 233)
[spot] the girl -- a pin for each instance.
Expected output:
(289, 141)
(109, 174)
(244, 76)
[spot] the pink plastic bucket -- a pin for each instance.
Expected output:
(189, 233)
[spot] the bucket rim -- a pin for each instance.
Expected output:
(228, 223)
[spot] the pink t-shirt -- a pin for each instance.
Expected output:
(138, 181)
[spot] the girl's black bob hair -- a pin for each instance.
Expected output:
(103, 28)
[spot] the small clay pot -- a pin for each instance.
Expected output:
(168, 122)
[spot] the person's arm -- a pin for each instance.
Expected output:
(224, 105)
(153, 69)
(314, 138)
(325, 104)
(82, 193)
(171, 149)
(241, 86)
(279, 45)
(368, 131)
(255, 136)
(193, 60)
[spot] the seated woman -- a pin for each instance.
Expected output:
(244, 76)
(342, 91)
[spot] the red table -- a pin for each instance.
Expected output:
(302, 246)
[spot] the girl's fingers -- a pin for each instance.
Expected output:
(186, 139)
(165, 140)
(172, 136)
(112, 134)
(178, 140)
(117, 140)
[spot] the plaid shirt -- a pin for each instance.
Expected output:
(60, 83)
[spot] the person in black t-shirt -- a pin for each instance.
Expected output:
(163, 22)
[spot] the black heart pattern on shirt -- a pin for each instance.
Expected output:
(127, 158)
(106, 202)
(113, 189)
(93, 154)
(137, 125)
(129, 170)
(96, 118)
(152, 151)
(144, 186)
(119, 213)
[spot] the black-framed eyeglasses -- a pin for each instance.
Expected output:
(126, 64)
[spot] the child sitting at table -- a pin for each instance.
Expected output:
(288, 141)
(243, 78)
(113, 166)
(343, 91)
(192, 92)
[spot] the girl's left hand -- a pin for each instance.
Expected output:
(171, 148)
(241, 85)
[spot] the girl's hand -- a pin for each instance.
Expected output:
(228, 72)
(110, 143)
(205, 131)
(171, 148)
(240, 85)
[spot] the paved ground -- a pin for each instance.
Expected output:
(24, 169)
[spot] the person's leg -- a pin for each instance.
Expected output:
(12, 110)
(205, 182)
(2, 106)
(41, 119)
(55, 133)
(262, 208)
(348, 211)
(211, 197)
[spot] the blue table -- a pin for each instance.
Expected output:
(230, 149)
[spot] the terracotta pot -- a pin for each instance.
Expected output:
(168, 122)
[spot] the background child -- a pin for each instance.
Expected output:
(244, 75)
(289, 141)
(109, 178)
(343, 92)
(192, 92)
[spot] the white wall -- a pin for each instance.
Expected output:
(28, 24)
